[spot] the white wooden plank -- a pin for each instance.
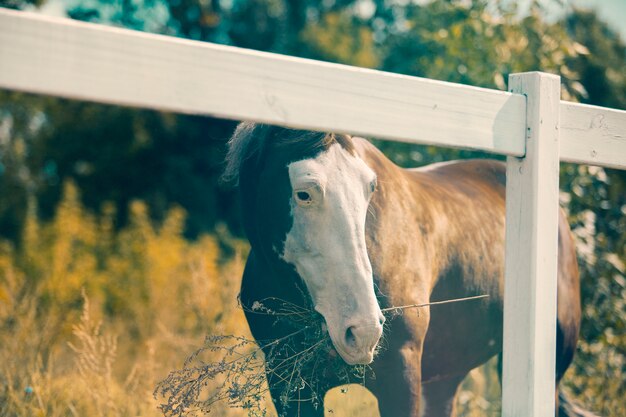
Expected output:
(593, 135)
(532, 192)
(84, 61)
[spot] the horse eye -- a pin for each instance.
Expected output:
(373, 185)
(303, 196)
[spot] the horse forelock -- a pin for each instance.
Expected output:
(250, 141)
(246, 141)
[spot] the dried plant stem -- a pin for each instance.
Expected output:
(454, 300)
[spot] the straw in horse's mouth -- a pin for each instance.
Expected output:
(398, 310)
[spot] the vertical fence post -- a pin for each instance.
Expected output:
(532, 195)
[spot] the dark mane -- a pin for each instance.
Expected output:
(251, 140)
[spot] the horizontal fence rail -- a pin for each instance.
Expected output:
(593, 135)
(66, 58)
(91, 62)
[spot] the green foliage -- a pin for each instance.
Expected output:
(600, 61)
(597, 208)
(339, 37)
(114, 155)
(472, 45)
(596, 199)
(20, 4)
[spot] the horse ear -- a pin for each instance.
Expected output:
(244, 147)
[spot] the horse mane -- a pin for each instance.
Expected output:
(250, 141)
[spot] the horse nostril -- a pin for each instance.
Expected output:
(350, 337)
(381, 320)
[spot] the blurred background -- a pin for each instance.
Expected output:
(120, 250)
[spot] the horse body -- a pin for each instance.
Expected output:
(450, 246)
(433, 233)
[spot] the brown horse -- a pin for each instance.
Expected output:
(332, 222)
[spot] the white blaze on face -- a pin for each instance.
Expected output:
(326, 245)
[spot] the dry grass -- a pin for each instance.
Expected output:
(152, 297)
(232, 370)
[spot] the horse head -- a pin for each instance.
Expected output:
(305, 197)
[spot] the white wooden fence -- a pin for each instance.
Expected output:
(529, 124)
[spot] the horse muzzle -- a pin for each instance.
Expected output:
(357, 343)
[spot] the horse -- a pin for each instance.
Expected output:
(332, 222)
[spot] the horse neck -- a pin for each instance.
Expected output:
(404, 224)
(408, 191)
